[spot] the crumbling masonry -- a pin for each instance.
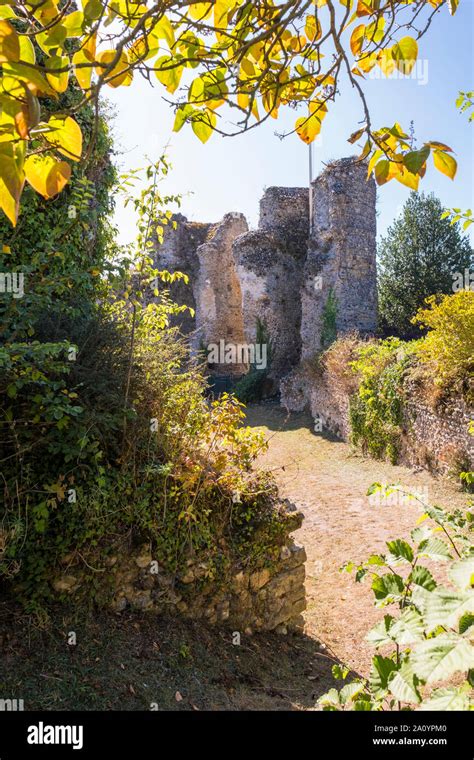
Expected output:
(283, 277)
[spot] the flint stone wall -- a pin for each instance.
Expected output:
(341, 254)
(269, 266)
(433, 438)
(267, 598)
(218, 291)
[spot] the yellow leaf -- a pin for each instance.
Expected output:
(405, 53)
(12, 180)
(46, 175)
(367, 62)
(200, 11)
(58, 81)
(408, 179)
(168, 72)
(386, 62)
(203, 125)
(21, 122)
(27, 51)
(313, 29)
(83, 60)
(9, 43)
(445, 163)
(35, 82)
(73, 23)
(308, 127)
(66, 136)
(120, 74)
(357, 38)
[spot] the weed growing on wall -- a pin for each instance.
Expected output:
(376, 409)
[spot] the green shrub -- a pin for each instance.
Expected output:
(428, 640)
(108, 439)
(448, 348)
(253, 386)
(329, 318)
(376, 409)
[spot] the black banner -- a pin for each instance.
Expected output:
(90, 735)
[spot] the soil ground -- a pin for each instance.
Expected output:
(328, 481)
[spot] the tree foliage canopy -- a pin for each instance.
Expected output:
(422, 255)
(252, 57)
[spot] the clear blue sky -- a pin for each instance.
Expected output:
(229, 174)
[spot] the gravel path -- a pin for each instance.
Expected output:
(328, 482)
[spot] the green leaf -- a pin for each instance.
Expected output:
(380, 634)
(339, 672)
(403, 685)
(445, 607)
(382, 668)
(421, 576)
(331, 698)
(462, 573)
(400, 551)
(415, 159)
(465, 622)
(439, 658)
(350, 690)
(434, 548)
(408, 628)
(451, 698)
(388, 586)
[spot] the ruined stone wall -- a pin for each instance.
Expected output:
(218, 295)
(268, 596)
(277, 277)
(431, 438)
(269, 266)
(177, 253)
(341, 254)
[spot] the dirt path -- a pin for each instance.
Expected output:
(328, 482)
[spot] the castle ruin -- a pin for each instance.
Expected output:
(282, 276)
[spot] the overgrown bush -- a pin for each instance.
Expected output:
(376, 409)
(447, 351)
(425, 645)
(108, 439)
(379, 375)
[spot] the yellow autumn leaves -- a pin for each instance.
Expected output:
(391, 157)
(254, 57)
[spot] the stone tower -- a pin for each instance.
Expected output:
(270, 264)
(340, 263)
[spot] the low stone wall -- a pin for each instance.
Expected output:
(325, 402)
(433, 438)
(438, 438)
(262, 600)
(267, 598)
